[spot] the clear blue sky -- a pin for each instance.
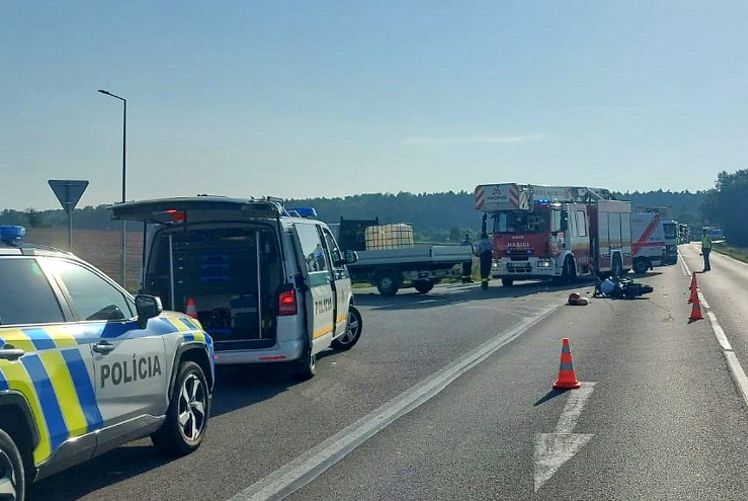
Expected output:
(314, 98)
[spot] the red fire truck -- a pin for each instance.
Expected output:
(554, 232)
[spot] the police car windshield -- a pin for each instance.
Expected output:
(520, 222)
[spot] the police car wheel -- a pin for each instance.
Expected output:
(187, 416)
(352, 331)
(12, 478)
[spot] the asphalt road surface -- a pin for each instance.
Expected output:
(448, 396)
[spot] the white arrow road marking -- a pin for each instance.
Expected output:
(552, 450)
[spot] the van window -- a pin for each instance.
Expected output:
(311, 247)
(332, 245)
(25, 294)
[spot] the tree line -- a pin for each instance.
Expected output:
(727, 205)
(436, 217)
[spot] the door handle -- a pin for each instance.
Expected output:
(10, 352)
(103, 347)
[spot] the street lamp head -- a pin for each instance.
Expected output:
(104, 91)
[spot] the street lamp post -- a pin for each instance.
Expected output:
(123, 256)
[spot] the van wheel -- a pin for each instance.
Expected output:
(423, 286)
(12, 476)
(387, 283)
(187, 416)
(641, 265)
(352, 331)
(507, 282)
(305, 367)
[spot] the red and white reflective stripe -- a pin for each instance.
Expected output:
(479, 197)
(514, 195)
(637, 246)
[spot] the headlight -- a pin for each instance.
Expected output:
(544, 264)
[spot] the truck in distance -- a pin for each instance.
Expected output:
(393, 261)
(554, 232)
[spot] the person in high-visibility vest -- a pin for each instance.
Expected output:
(485, 254)
(706, 248)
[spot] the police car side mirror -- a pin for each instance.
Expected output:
(351, 256)
(147, 307)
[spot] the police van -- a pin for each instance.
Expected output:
(269, 285)
(85, 367)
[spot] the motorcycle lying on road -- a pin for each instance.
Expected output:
(620, 288)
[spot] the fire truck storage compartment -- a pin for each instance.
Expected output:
(231, 271)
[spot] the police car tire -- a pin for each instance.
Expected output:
(13, 457)
(169, 439)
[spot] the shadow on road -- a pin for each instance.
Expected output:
(236, 387)
(115, 466)
(549, 396)
(451, 294)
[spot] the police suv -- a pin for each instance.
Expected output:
(85, 367)
(270, 285)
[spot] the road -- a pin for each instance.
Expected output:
(450, 397)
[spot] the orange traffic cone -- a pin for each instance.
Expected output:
(693, 281)
(695, 311)
(567, 378)
(694, 295)
(191, 307)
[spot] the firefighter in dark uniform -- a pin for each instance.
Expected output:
(467, 266)
(485, 254)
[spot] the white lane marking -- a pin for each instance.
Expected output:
(552, 450)
(308, 466)
(684, 265)
(736, 370)
(573, 408)
(702, 299)
(718, 331)
(741, 381)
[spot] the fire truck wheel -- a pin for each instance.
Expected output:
(423, 286)
(507, 282)
(570, 271)
(641, 265)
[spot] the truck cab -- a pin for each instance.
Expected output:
(555, 232)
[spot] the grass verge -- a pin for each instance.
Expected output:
(738, 253)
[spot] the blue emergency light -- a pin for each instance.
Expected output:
(11, 234)
(303, 212)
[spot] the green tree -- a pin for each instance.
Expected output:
(727, 206)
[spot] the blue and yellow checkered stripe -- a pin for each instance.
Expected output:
(53, 376)
(54, 379)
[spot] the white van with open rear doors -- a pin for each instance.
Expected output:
(269, 285)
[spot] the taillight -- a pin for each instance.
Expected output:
(287, 303)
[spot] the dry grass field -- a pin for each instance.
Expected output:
(98, 247)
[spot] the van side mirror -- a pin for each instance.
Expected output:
(351, 256)
(147, 307)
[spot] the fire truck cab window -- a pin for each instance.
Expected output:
(521, 222)
(556, 221)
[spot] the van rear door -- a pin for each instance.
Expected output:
(319, 296)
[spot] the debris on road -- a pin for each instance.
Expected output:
(575, 299)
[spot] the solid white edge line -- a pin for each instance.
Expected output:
(702, 300)
(741, 381)
(718, 331)
(300, 471)
(683, 266)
